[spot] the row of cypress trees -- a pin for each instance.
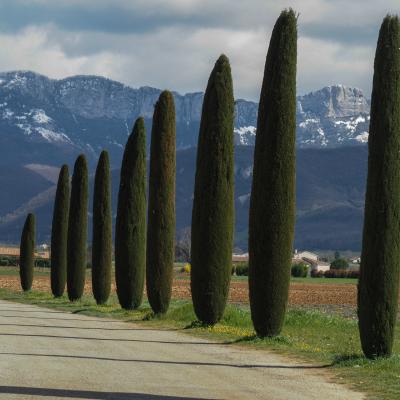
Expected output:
(69, 229)
(272, 203)
(139, 256)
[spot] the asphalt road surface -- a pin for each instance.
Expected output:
(48, 354)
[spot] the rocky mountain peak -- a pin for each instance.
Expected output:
(334, 102)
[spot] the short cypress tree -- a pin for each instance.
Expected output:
(213, 204)
(102, 231)
(27, 253)
(161, 211)
(59, 234)
(130, 233)
(77, 230)
(272, 203)
(378, 286)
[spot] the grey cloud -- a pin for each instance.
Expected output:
(174, 43)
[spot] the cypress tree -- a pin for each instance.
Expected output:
(27, 253)
(378, 286)
(59, 234)
(272, 203)
(130, 234)
(161, 212)
(102, 231)
(77, 230)
(213, 204)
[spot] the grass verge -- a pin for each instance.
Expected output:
(315, 336)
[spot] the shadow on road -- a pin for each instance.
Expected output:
(86, 394)
(99, 321)
(193, 363)
(31, 311)
(79, 327)
(111, 339)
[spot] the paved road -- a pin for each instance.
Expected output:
(57, 355)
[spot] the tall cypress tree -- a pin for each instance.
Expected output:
(378, 286)
(102, 231)
(213, 205)
(161, 212)
(77, 230)
(130, 233)
(272, 203)
(59, 234)
(27, 253)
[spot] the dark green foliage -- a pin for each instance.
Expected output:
(102, 231)
(242, 269)
(27, 253)
(380, 260)
(272, 203)
(339, 263)
(213, 205)
(161, 212)
(299, 270)
(77, 230)
(130, 234)
(59, 234)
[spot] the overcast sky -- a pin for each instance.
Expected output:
(173, 44)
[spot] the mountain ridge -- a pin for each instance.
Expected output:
(88, 113)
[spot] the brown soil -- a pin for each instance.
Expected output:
(300, 293)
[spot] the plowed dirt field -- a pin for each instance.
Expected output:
(300, 293)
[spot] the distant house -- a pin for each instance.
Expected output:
(311, 259)
(14, 252)
(305, 254)
(238, 258)
(9, 251)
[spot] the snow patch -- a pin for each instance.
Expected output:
(244, 133)
(17, 80)
(7, 113)
(25, 128)
(52, 136)
(362, 137)
(308, 121)
(40, 116)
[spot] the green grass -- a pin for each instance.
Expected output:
(308, 280)
(316, 336)
(14, 271)
(328, 281)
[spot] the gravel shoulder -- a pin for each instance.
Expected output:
(52, 354)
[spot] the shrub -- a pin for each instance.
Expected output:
(317, 274)
(42, 263)
(300, 270)
(341, 273)
(339, 263)
(242, 269)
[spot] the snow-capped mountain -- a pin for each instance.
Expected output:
(45, 120)
(331, 117)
